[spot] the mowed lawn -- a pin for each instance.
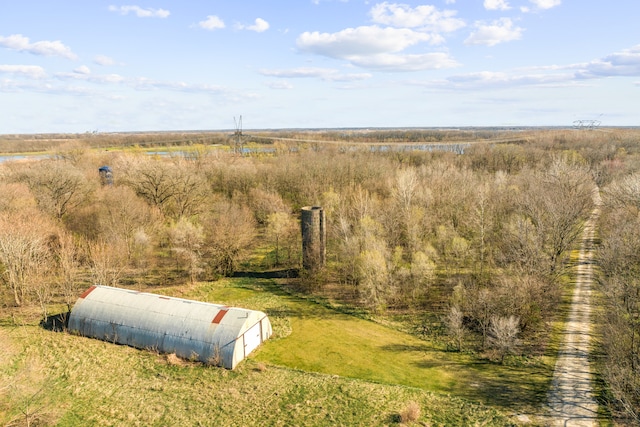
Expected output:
(312, 337)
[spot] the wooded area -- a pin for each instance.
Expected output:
(473, 248)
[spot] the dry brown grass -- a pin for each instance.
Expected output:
(9, 350)
(174, 360)
(24, 400)
(410, 413)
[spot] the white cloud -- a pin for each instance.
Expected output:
(212, 23)
(103, 60)
(546, 4)
(426, 17)
(625, 63)
(499, 31)
(360, 41)
(488, 79)
(259, 26)
(496, 5)
(328, 74)
(377, 48)
(45, 48)
(83, 69)
(416, 62)
(145, 84)
(84, 74)
(140, 12)
(31, 71)
(280, 85)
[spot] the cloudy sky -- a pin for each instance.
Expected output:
(79, 65)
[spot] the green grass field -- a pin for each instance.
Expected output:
(312, 337)
(322, 367)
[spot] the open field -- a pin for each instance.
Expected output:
(51, 377)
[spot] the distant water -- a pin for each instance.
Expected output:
(452, 147)
(9, 158)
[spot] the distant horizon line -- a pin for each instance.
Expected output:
(347, 128)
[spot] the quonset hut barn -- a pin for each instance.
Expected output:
(211, 333)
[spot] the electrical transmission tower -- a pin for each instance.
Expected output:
(587, 124)
(238, 137)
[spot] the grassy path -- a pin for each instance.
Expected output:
(571, 401)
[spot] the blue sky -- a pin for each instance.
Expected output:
(79, 65)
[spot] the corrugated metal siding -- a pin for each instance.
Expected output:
(207, 332)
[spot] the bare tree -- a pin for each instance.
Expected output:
(624, 192)
(16, 197)
(406, 211)
(454, 322)
(282, 231)
(557, 201)
(58, 187)
(404, 188)
(520, 246)
(186, 241)
(264, 204)
(373, 278)
(191, 191)
(503, 334)
(481, 215)
(67, 254)
(108, 261)
(153, 180)
(229, 229)
(478, 303)
(123, 215)
(24, 253)
(618, 257)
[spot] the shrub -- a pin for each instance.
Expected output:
(410, 413)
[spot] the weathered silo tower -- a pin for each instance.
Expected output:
(106, 175)
(314, 236)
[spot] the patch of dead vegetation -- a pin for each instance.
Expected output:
(173, 360)
(9, 349)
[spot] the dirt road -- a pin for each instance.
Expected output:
(570, 400)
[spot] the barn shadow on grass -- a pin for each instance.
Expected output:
(57, 322)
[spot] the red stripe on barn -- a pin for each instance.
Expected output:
(216, 320)
(87, 292)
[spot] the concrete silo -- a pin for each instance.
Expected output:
(314, 236)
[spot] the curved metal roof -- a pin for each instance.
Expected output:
(211, 333)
